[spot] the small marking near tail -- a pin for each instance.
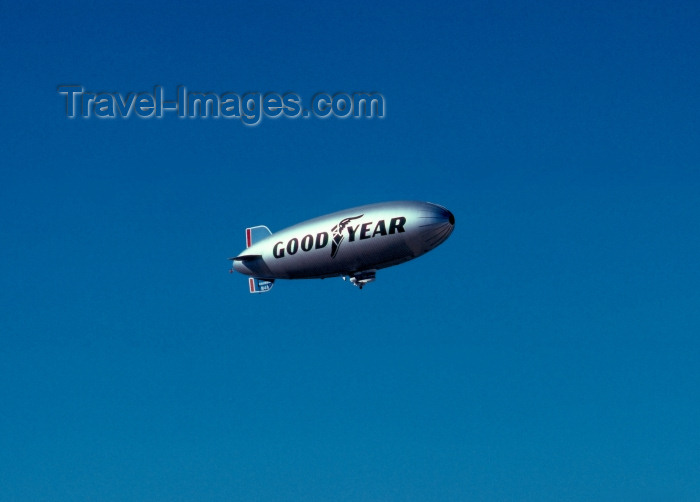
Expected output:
(248, 238)
(251, 284)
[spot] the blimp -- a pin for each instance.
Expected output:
(352, 244)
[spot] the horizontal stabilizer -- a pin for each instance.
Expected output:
(246, 257)
(260, 285)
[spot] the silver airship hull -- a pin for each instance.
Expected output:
(354, 242)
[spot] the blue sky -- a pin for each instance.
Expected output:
(548, 350)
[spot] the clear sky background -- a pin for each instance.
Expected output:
(548, 350)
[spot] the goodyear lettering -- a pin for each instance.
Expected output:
(351, 232)
(363, 231)
(321, 240)
(307, 242)
(380, 228)
(364, 234)
(397, 224)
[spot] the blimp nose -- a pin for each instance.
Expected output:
(444, 215)
(437, 223)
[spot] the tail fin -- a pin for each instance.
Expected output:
(260, 285)
(255, 234)
(252, 235)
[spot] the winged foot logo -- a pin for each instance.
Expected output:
(357, 232)
(338, 234)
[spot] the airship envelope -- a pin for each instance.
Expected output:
(353, 243)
